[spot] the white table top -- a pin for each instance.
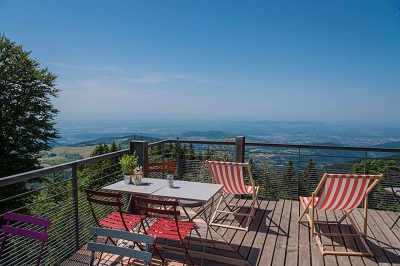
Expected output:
(148, 186)
(189, 191)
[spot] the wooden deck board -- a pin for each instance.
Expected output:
(254, 256)
(276, 238)
(292, 254)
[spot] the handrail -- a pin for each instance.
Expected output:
(9, 180)
(17, 178)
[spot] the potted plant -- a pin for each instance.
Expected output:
(128, 164)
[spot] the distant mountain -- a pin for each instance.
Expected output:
(124, 140)
(86, 136)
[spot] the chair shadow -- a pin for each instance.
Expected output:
(383, 252)
(261, 222)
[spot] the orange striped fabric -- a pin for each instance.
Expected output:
(342, 192)
(231, 175)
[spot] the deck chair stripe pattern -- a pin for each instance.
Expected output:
(231, 175)
(342, 192)
(339, 192)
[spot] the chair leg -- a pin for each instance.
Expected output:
(395, 222)
(156, 249)
(216, 209)
(186, 249)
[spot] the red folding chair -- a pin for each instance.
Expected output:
(163, 226)
(117, 219)
(25, 220)
(160, 167)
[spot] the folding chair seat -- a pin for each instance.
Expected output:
(24, 228)
(232, 176)
(164, 226)
(140, 239)
(339, 192)
(394, 177)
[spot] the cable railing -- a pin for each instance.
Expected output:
(283, 171)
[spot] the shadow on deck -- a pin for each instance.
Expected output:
(276, 238)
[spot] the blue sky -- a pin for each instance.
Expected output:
(332, 61)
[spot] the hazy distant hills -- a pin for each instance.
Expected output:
(124, 140)
(90, 139)
(391, 145)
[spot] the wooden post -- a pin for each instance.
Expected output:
(142, 151)
(240, 147)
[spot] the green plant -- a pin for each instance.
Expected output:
(128, 163)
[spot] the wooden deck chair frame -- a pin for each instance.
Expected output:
(343, 192)
(144, 255)
(231, 175)
(27, 220)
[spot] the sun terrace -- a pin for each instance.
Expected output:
(283, 173)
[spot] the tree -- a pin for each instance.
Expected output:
(27, 114)
(310, 178)
(26, 117)
(289, 182)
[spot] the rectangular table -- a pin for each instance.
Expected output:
(148, 186)
(186, 190)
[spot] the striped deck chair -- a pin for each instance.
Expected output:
(231, 175)
(339, 192)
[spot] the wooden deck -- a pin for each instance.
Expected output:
(276, 238)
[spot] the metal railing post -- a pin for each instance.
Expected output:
(178, 160)
(298, 173)
(365, 161)
(76, 203)
(240, 148)
(163, 151)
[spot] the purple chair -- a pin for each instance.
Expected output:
(28, 220)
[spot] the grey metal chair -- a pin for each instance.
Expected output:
(144, 255)
(394, 177)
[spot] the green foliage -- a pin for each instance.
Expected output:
(376, 167)
(289, 182)
(27, 114)
(128, 163)
(100, 173)
(373, 167)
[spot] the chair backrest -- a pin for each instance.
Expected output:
(151, 206)
(343, 191)
(144, 255)
(157, 207)
(160, 167)
(25, 220)
(231, 175)
(105, 199)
